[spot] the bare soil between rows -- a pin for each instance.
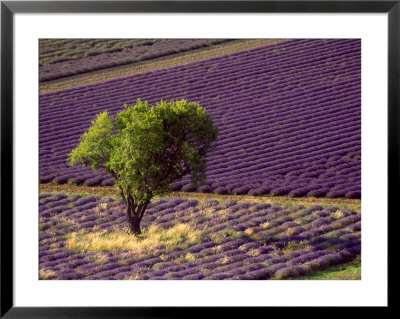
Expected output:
(354, 204)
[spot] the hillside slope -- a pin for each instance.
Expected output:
(289, 116)
(85, 238)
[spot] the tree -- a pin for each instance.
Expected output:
(145, 149)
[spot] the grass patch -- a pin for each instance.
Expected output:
(225, 234)
(224, 260)
(100, 259)
(132, 277)
(253, 252)
(347, 271)
(294, 245)
(190, 257)
(264, 225)
(151, 238)
(45, 274)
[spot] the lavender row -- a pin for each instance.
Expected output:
(238, 240)
(60, 58)
(289, 117)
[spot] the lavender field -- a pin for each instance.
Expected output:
(84, 237)
(289, 121)
(289, 116)
(65, 57)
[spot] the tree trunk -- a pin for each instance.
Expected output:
(129, 213)
(134, 215)
(133, 220)
(135, 227)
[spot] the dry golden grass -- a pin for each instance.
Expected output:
(44, 274)
(224, 260)
(131, 277)
(337, 215)
(100, 259)
(253, 252)
(290, 232)
(217, 249)
(294, 245)
(190, 257)
(256, 237)
(55, 245)
(151, 238)
(100, 208)
(264, 225)
(208, 213)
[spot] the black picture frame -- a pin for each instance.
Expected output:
(9, 8)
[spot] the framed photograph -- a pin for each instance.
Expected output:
(162, 156)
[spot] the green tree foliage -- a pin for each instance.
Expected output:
(145, 149)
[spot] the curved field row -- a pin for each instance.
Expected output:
(289, 117)
(154, 64)
(284, 201)
(59, 58)
(85, 238)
